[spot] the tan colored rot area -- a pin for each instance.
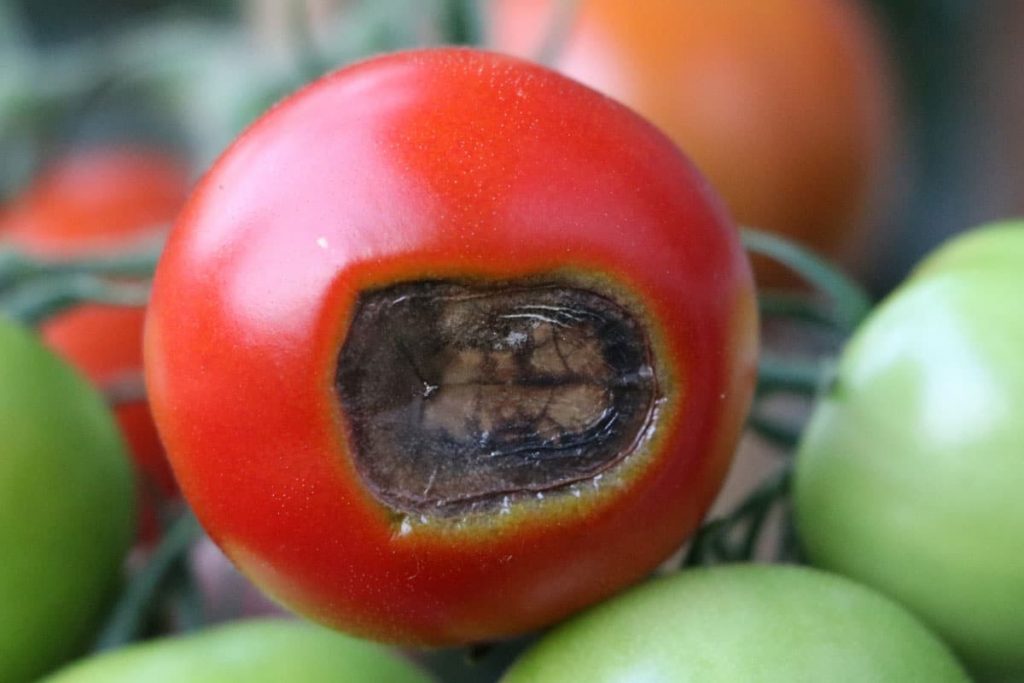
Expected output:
(447, 347)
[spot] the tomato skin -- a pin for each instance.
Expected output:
(67, 512)
(909, 477)
(763, 623)
(787, 105)
(94, 201)
(257, 651)
(433, 164)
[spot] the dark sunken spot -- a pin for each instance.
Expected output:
(459, 394)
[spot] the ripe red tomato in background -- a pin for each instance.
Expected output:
(96, 200)
(91, 202)
(786, 105)
(479, 216)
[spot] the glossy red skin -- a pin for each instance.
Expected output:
(96, 201)
(433, 164)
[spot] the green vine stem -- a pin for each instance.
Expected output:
(186, 597)
(780, 434)
(733, 538)
(463, 23)
(37, 299)
(34, 288)
(794, 306)
(18, 266)
(797, 377)
(136, 602)
(849, 299)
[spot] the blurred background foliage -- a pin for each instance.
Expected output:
(191, 74)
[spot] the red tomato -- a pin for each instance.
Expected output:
(447, 346)
(97, 201)
(786, 105)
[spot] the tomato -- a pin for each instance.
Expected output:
(251, 651)
(97, 200)
(91, 202)
(105, 343)
(910, 475)
(448, 346)
(67, 507)
(787, 105)
(742, 623)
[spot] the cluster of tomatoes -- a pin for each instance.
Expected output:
(449, 348)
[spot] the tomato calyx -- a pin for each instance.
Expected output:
(461, 394)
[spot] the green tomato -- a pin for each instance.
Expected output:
(910, 477)
(66, 507)
(996, 247)
(764, 623)
(258, 651)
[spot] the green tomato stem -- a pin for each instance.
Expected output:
(462, 22)
(18, 266)
(789, 549)
(779, 434)
(713, 541)
(849, 299)
(752, 534)
(34, 288)
(795, 306)
(35, 300)
(186, 597)
(796, 377)
(137, 600)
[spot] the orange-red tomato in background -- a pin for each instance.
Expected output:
(96, 201)
(786, 105)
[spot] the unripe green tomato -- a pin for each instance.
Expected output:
(259, 651)
(995, 247)
(910, 477)
(66, 507)
(754, 623)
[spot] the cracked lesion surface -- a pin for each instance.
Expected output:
(458, 394)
